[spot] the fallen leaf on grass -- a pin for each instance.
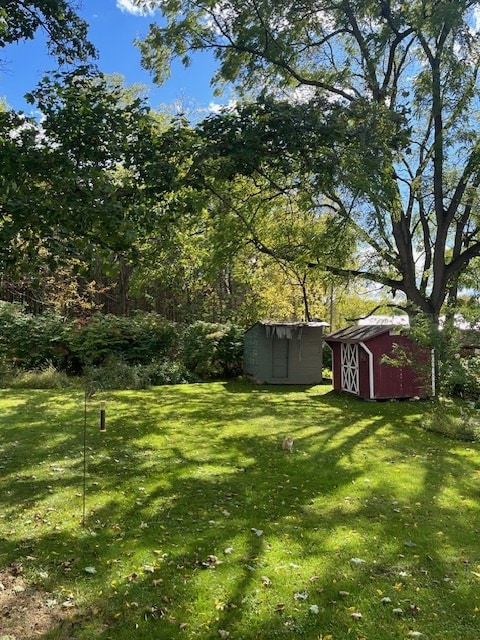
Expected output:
(67, 564)
(210, 562)
(149, 568)
(154, 612)
(68, 604)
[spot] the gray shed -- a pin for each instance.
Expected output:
(284, 352)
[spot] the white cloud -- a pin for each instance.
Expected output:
(476, 19)
(221, 19)
(130, 6)
(299, 95)
(217, 108)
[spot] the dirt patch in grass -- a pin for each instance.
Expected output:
(26, 612)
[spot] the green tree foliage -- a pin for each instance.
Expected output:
(139, 339)
(212, 350)
(75, 181)
(28, 341)
(112, 351)
(469, 299)
(239, 191)
(402, 84)
(270, 183)
(66, 33)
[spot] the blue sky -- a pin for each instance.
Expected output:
(114, 24)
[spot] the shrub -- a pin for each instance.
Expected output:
(170, 372)
(327, 357)
(137, 339)
(462, 377)
(453, 419)
(327, 375)
(116, 373)
(48, 377)
(31, 342)
(120, 352)
(211, 350)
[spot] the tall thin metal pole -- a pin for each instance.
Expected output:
(84, 518)
(89, 393)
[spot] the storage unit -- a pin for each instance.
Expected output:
(358, 366)
(284, 352)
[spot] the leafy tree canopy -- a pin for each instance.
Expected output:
(66, 32)
(74, 182)
(407, 69)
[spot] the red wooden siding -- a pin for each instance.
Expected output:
(378, 380)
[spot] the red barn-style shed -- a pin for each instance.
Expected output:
(357, 354)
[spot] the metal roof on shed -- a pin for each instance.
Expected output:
(318, 323)
(358, 333)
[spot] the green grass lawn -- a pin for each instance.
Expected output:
(200, 526)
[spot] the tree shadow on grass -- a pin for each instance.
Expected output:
(186, 506)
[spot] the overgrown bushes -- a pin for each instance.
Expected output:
(115, 373)
(453, 419)
(47, 377)
(116, 352)
(137, 339)
(211, 350)
(31, 342)
(462, 377)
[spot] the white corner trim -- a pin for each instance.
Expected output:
(371, 381)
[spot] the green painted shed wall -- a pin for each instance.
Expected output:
(273, 359)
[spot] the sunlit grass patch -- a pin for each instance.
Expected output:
(200, 525)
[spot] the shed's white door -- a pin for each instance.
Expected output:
(279, 357)
(349, 353)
